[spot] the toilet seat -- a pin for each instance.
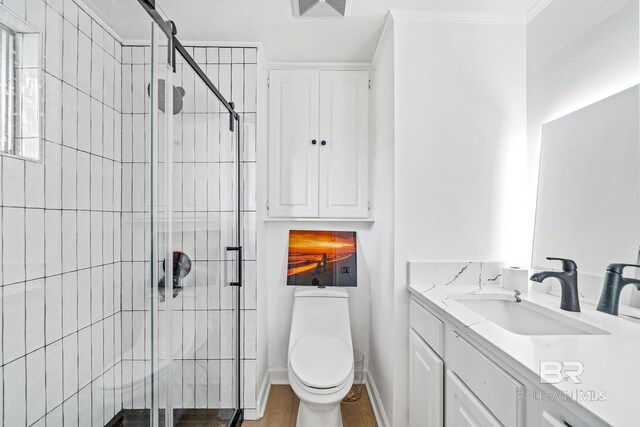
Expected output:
(321, 362)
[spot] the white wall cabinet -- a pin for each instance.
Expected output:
(425, 384)
(318, 144)
(293, 158)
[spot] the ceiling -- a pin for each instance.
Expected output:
(286, 38)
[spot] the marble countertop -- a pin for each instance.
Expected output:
(611, 362)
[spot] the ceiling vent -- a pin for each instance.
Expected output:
(321, 8)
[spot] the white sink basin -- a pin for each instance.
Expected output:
(525, 318)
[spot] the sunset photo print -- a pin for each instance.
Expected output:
(322, 258)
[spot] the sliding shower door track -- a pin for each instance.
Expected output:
(169, 28)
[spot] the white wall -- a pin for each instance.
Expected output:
(382, 187)
(460, 104)
(280, 296)
(262, 292)
(458, 149)
(578, 52)
(460, 92)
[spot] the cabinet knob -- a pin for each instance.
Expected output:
(324, 142)
(314, 142)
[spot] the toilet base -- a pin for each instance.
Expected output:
(310, 415)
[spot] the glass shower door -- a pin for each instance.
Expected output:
(204, 186)
(147, 223)
(161, 261)
(195, 247)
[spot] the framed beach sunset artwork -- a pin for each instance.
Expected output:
(322, 258)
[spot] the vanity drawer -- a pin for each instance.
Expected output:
(428, 326)
(497, 390)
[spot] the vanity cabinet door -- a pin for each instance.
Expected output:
(463, 408)
(425, 384)
(293, 143)
(344, 159)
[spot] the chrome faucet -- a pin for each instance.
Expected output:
(612, 288)
(568, 283)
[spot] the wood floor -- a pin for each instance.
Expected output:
(282, 410)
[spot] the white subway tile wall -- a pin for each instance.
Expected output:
(61, 225)
(75, 237)
(204, 188)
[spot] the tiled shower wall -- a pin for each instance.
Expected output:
(69, 249)
(204, 187)
(60, 358)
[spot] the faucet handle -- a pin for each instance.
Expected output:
(567, 264)
(617, 268)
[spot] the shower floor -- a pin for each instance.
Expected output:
(184, 417)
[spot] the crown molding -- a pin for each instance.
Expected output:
(362, 66)
(536, 9)
(448, 17)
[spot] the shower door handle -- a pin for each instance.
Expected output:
(239, 250)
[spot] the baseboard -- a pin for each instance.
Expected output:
(263, 395)
(256, 413)
(376, 403)
(250, 414)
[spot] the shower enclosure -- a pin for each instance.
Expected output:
(189, 212)
(122, 242)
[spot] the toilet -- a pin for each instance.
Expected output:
(320, 364)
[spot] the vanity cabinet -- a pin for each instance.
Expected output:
(498, 391)
(426, 384)
(454, 381)
(473, 392)
(318, 144)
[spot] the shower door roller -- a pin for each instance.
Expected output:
(239, 250)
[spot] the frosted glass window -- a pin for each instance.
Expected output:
(7, 90)
(20, 88)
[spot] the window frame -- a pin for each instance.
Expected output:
(8, 85)
(22, 109)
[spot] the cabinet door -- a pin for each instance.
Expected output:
(293, 158)
(344, 159)
(426, 379)
(463, 408)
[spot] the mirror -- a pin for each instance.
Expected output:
(588, 206)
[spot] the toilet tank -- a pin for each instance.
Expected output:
(320, 312)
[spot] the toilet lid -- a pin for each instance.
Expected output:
(321, 361)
